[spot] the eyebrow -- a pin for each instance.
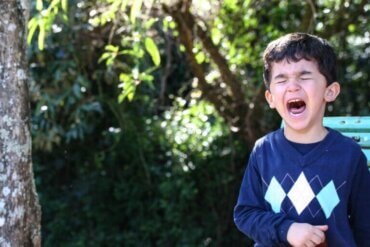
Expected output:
(283, 76)
(305, 72)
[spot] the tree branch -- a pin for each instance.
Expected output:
(309, 17)
(231, 104)
(210, 92)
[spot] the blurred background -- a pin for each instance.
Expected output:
(144, 111)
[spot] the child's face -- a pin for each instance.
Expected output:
(299, 93)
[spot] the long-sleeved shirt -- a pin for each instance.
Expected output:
(330, 185)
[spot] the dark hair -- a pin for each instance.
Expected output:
(297, 46)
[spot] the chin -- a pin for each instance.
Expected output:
(297, 126)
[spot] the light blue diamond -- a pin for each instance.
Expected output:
(328, 198)
(275, 195)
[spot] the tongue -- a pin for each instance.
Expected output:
(297, 110)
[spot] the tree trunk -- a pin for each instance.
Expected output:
(19, 209)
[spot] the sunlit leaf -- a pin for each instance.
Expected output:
(232, 4)
(128, 91)
(135, 10)
(149, 23)
(216, 35)
(39, 5)
(130, 95)
(53, 4)
(172, 25)
(110, 61)
(32, 25)
(104, 57)
(64, 4)
(124, 77)
(41, 37)
(124, 5)
(153, 51)
(121, 97)
(145, 77)
(200, 57)
(351, 28)
(112, 48)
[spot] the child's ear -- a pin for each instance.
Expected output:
(270, 99)
(332, 91)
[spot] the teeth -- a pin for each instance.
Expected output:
(294, 100)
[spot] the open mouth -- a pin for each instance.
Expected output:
(296, 106)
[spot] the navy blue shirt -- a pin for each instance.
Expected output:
(303, 148)
(328, 185)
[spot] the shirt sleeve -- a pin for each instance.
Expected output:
(251, 215)
(359, 204)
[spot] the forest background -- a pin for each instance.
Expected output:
(144, 112)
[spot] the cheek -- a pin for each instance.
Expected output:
(276, 96)
(272, 101)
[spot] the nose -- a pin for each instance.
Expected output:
(293, 86)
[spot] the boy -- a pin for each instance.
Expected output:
(305, 184)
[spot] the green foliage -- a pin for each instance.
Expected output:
(135, 10)
(126, 150)
(153, 51)
(45, 18)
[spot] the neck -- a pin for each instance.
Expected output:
(303, 136)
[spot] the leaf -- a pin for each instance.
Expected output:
(123, 5)
(110, 61)
(200, 57)
(32, 25)
(145, 77)
(131, 95)
(149, 23)
(135, 10)
(64, 4)
(41, 37)
(53, 4)
(105, 56)
(39, 5)
(127, 52)
(128, 91)
(124, 77)
(352, 28)
(112, 48)
(64, 17)
(121, 97)
(153, 51)
(94, 106)
(216, 35)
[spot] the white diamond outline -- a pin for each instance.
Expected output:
(301, 194)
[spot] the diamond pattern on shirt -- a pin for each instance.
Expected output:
(301, 193)
(328, 198)
(275, 195)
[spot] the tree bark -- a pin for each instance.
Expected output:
(20, 212)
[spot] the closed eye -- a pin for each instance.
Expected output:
(279, 82)
(305, 75)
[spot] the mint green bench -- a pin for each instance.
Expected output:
(358, 128)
